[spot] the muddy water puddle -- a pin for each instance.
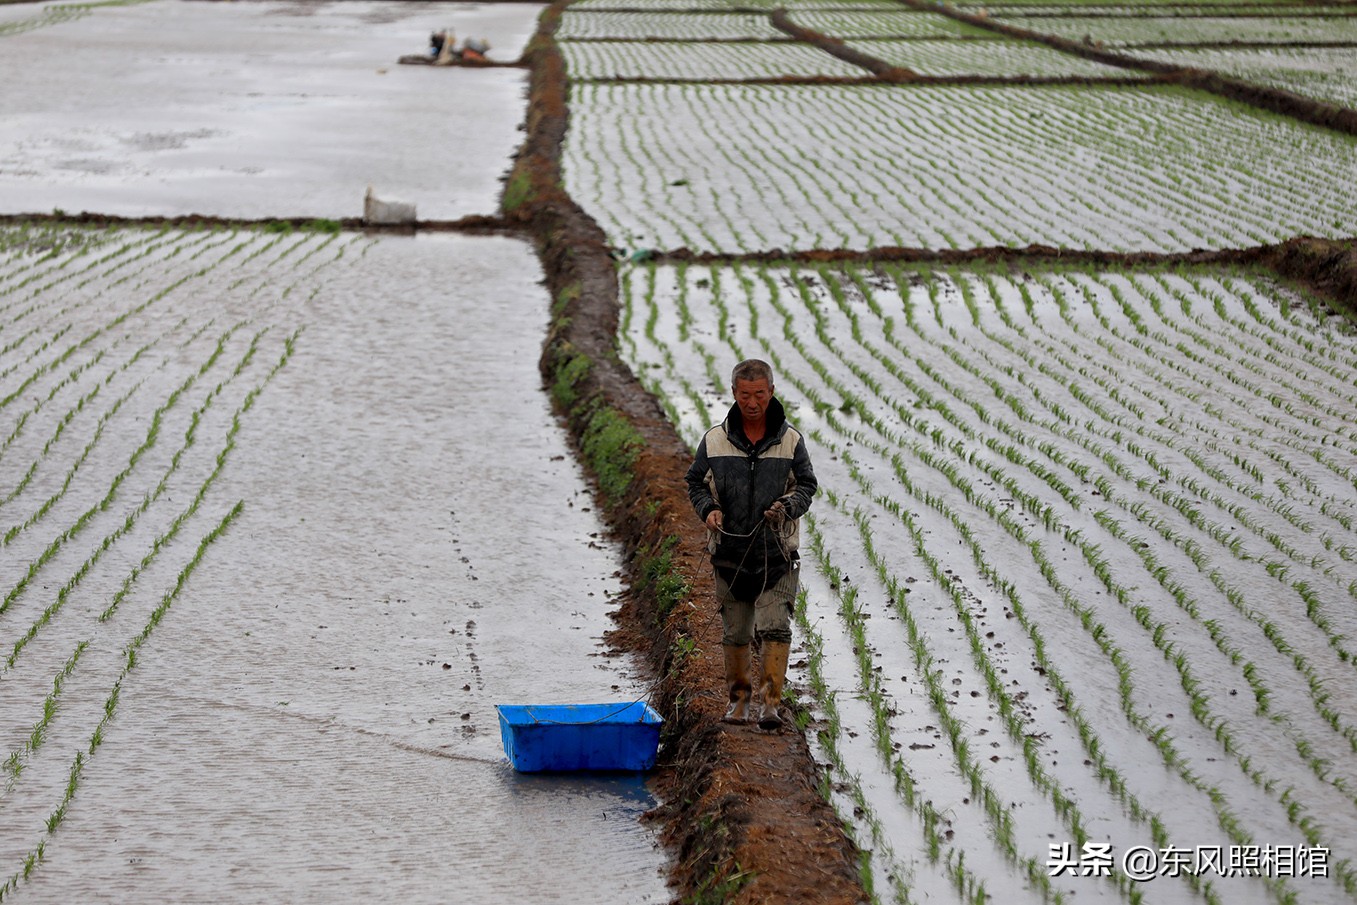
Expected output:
(356, 531)
(267, 109)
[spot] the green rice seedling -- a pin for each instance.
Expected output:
(55, 820)
(937, 695)
(1193, 548)
(828, 739)
(904, 782)
(152, 432)
(1159, 735)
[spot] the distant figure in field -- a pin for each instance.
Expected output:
(750, 483)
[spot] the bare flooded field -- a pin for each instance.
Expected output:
(254, 110)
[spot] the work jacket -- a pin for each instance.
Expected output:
(743, 479)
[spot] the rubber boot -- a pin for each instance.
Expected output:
(774, 675)
(741, 685)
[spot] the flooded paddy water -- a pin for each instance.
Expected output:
(268, 109)
(308, 704)
(283, 515)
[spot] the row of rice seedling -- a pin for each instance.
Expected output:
(33, 248)
(1322, 73)
(31, 279)
(726, 5)
(880, 822)
(30, 325)
(937, 827)
(56, 13)
(29, 860)
(1091, 553)
(638, 26)
(122, 329)
(168, 536)
(1154, 169)
(54, 309)
(657, 60)
(1181, 591)
(50, 371)
(48, 380)
(895, 23)
(1232, 463)
(156, 419)
(1099, 513)
(1126, 31)
(648, 5)
(1158, 10)
(42, 239)
(1171, 7)
(1062, 550)
(73, 274)
(968, 885)
(999, 59)
(130, 521)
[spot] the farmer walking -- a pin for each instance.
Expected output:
(750, 483)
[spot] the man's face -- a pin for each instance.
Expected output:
(753, 396)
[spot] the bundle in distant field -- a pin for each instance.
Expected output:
(387, 213)
(568, 737)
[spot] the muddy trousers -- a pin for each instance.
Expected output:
(769, 614)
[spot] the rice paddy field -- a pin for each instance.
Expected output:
(1084, 560)
(245, 655)
(262, 578)
(1080, 597)
(1322, 73)
(1080, 621)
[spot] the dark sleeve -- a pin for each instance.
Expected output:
(698, 491)
(798, 500)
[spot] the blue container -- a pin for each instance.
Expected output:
(580, 736)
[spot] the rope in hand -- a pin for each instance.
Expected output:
(782, 532)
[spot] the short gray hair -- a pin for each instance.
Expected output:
(752, 369)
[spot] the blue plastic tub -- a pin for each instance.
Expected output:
(541, 737)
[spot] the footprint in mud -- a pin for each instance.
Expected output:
(471, 654)
(457, 549)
